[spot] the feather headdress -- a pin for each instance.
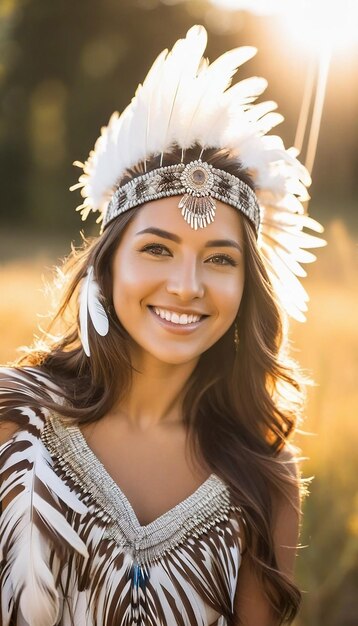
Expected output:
(185, 101)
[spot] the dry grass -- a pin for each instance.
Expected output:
(22, 300)
(327, 347)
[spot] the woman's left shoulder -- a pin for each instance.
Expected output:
(288, 461)
(288, 497)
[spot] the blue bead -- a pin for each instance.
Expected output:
(136, 574)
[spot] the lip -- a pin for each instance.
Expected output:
(177, 329)
(178, 310)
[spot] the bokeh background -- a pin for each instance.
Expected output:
(64, 67)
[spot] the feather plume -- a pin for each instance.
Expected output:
(208, 119)
(150, 85)
(244, 92)
(91, 306)
(184, 73)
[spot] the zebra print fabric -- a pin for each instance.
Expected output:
(74, 554)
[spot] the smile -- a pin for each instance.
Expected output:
(176, 318)
(176, 322)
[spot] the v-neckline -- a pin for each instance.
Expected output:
(70, 446)
(186, 502)
(208, 505)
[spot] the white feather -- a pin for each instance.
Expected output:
(83, 314)
(148, 92)
(207, 119)
(244, 92)
(179, 73)
(90, 305)
(95, 308)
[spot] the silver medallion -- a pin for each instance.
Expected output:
(198, 207)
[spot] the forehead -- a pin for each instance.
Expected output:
(165, 214)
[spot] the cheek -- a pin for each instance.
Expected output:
(125, 288)
(132, 282)
(227, 293)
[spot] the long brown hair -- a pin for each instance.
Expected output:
(239, 418)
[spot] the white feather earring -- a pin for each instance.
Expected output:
(91, 306)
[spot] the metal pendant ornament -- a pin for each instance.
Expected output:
(198, 207)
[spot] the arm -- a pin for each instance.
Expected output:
(251, 606)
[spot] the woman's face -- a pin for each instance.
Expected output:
(176, 290)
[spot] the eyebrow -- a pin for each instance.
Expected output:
(213, 243)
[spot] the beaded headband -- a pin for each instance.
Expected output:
(198, 182)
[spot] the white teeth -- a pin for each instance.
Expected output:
(175, 318)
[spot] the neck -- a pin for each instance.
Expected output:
(156, 394)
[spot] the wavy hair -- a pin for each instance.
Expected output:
(239, 418)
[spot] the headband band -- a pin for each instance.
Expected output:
(198, 183)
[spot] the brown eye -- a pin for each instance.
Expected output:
(156, 249)
(222, 259)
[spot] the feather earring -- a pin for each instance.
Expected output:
(90, 305)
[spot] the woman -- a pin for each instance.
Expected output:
(146, 472)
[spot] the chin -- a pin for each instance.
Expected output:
(175, 359)
(169, 357)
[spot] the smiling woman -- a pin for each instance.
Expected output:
(146, 474)
(161, 279)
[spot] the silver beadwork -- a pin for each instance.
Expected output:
(208, 506)
(199, 184)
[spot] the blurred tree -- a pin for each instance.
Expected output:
(65, 66)
(70, 64)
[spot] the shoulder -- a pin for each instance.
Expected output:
(289, 469)
(285, 492)
(251, 603)
(287, 510)
(16, 378)
(288, 492)
(23, 374)
(26, 382)
(23, 391)
(288, 457)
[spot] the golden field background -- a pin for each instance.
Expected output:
(327, 348)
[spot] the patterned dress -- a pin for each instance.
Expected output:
(74, 553)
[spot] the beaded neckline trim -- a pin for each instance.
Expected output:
(207, 506)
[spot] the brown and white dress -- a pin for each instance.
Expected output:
(72, 551)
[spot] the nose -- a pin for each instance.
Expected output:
(186, 281)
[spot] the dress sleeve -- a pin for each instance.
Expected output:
(34, 532)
